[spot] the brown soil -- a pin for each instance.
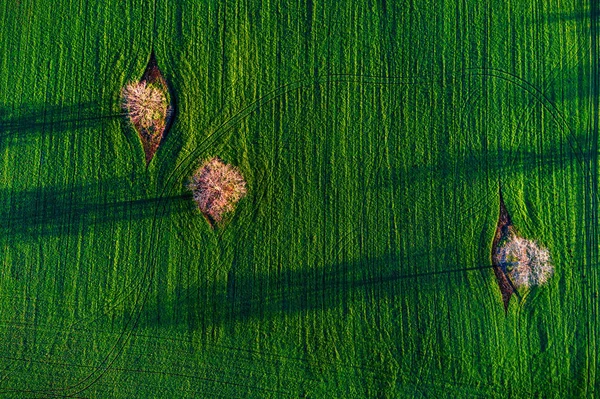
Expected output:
(150, 142)
(211, 222)
(503, 229)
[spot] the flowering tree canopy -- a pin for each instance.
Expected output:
(525, 262)
(217, 187)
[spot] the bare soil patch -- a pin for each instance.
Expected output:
(503, 229)
(151, 140)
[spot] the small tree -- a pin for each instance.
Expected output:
(217, 187)
(147, 105)
(524, 261)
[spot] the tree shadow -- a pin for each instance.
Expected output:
(34, 120)
(568, 87)
(245, 296)
(575, 16)
(52, 211)
(471, 166)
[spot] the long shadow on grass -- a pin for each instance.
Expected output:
(245, 296)
(577, 16)
(32, 121)
(473, 165)
(51, 211)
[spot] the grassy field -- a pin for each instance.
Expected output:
(374, 136)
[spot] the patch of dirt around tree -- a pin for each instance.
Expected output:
(151, 140)
(503, 230)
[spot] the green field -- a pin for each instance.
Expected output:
(374, 137)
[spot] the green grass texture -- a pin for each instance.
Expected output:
(374, 136)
